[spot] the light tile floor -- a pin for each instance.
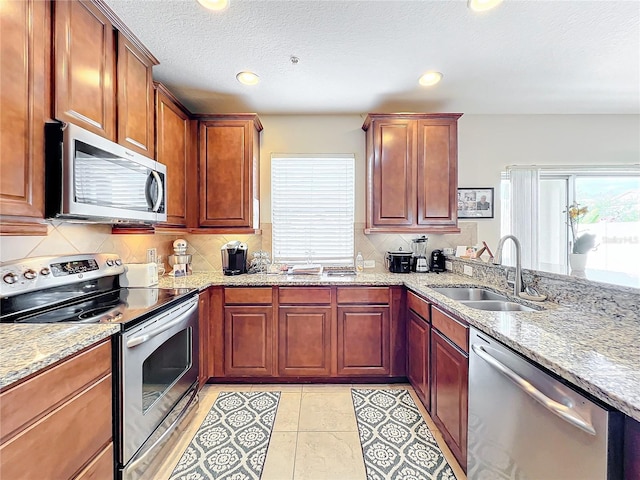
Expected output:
(315, 435)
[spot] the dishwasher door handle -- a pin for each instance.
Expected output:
(559, 409)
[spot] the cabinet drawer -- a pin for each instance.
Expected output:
(59, 444)
(418, 305)
(248, 296)
(30, 400)
(364, 295)
(100, 467)
(453, 329)
(304, 296)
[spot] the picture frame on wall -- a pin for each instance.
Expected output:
(475, 202)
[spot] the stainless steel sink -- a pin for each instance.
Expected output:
(497, 306)
(482, 299)
(469, 293)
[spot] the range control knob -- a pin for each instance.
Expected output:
(45, 271)
(10, 278)
(109, 263)
(118, 262)
(30, 274)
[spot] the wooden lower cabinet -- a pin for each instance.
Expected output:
(418, 350)
(58, 423)
(449, 393)
(248, 341)
(363, 340)
(304, 341)
(204, 338)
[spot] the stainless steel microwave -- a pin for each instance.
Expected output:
(91, 179)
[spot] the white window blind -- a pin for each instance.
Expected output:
(312, 208)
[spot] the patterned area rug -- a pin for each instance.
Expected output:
(231, 443)
(396, 443)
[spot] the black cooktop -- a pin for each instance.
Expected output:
(124, 306)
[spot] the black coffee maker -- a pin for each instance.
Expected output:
(437, 261)
(234, 258)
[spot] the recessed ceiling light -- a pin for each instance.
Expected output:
(214, 4)
(430, 78)
(483, 5)
(248, 78)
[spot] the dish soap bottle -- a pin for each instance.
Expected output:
(359, 263)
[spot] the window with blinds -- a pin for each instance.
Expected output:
(312, 208)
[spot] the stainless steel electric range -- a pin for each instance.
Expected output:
(155, 353)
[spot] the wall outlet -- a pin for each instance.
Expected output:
(468, 270)
(369, 264)
(152, 255)
(448, 265)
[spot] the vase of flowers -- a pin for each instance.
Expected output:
(581, 245)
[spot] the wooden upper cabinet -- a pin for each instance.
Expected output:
(394, 173)
(412, 175)
(135, 98)
(229, 172)
(85, 59)
(437, 172)
(175, 148)
(24, 86)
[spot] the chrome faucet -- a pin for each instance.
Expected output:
(497, 260)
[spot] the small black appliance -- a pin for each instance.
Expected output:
(398, 262)
(234, 258)
(437, 261)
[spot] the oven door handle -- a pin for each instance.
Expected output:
(135, 341)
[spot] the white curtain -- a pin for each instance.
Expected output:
(524, 215)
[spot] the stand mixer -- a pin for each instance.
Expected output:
(180, 261)
(419, 250)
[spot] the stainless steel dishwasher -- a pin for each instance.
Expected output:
(525, 424)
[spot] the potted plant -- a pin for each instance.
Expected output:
(582, 244)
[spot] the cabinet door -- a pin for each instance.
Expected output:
(449, 394)
(363, 341)
(203, 328)
(24, 33)
(84, 67)
(135, 99)
(304, 346)
(248, 341)
(437, 172)
(228, 173)
(418, 339)
(174, 149)
(393, 171)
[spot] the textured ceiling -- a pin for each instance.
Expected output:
(524, 57)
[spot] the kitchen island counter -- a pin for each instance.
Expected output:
(27, 348)
(598, 352)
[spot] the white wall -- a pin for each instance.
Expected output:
(311, 134)
(488, 143)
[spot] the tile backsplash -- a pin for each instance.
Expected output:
(71, 238)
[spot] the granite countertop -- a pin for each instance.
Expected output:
(27, 348)
(599, 353)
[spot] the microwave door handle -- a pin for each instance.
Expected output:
(159, 191)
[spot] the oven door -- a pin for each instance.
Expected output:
(158, 365)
